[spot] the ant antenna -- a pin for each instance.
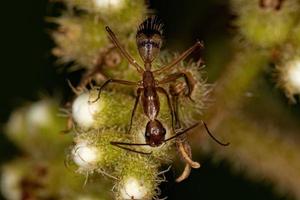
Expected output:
(119, 144)
(193, 126)
(213, 137)
(181, 132)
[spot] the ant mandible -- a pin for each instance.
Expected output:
(149, 42)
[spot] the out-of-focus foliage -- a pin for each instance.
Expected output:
(251, 68)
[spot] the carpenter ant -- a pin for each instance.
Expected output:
(149, 42)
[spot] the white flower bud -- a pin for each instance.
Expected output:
(83, 111)
(39, 114)
(133, 188)
(293, 75)
(10, 182)
(15, 124)
(106, 4)
(86, 156)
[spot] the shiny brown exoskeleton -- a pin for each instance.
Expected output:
(149, 42)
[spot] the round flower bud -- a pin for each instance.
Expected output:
(288, 73)
(79, 39)
(263, 23)
(108, 4)
(83, 111)
(133, 189)
(36, 127)
(116, 12)
(86, 156)
(111, 109)
(137, 178)
(10, 180)
(39, 114)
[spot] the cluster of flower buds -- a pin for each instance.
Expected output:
(273, 26)
(39, 172)
(97, 121)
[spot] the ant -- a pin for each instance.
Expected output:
(149, 42)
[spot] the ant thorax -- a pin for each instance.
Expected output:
(149, 40)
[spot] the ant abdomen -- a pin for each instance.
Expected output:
(149, 39)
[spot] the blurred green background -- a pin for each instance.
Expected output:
(28, 70)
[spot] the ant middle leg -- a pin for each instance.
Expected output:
(139, 90)
(181, 57)
(123, 82)
(162, 90)
(188, 78)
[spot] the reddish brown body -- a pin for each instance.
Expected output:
(149, 42)
(150, 98)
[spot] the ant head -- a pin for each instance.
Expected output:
(149, 38)
(155, 133)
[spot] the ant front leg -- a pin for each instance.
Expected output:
(139, 90)
(190, 81)
(116, 42)
(162, 90)
(123, 82)
(181, 57)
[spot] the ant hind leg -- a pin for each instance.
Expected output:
(163, 91)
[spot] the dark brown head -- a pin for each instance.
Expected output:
(149, 38)
(155, 133)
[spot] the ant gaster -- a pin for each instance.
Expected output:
(149, 42)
